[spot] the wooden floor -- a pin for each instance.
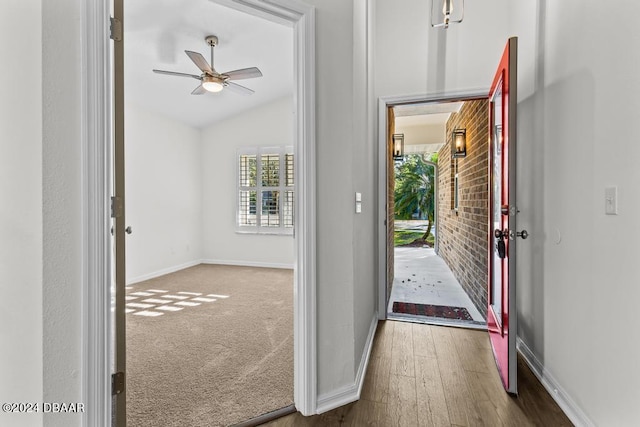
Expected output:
(422, 375)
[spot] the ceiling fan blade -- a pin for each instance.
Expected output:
(200, 90)
(234, 87)
(244, 73)
(173, 73)
(200, 62)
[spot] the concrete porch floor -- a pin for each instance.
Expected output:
(422, 277)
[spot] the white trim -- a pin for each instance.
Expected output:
(96, 241)
(242, 263)
(382, 209)
(304, 328)
(96, 116)
(351, 392)
(162, 272)
(551, 384)
(383, 104)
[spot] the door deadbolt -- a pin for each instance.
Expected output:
(501, 234)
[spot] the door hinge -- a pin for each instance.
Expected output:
(117, 383)
(116, 29)
(116, 207)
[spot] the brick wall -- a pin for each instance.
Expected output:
(462, 234)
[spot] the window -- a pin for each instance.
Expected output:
(265, 190)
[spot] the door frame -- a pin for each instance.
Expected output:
(97, 116)
(383, 126)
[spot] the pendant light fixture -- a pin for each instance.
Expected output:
(443, 13)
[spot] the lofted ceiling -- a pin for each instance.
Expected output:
(157, 32)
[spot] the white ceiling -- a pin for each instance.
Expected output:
(157, 32)
(424, 125)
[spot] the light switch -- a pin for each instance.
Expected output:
(358, 197)
(358, 202)
(611, 200)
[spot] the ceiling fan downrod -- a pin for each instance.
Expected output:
(213, 42)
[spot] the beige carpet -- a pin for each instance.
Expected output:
(195, 358)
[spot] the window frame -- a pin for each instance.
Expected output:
(282, 188)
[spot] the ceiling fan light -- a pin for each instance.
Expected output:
(212, 84)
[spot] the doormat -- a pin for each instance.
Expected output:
(442, 311)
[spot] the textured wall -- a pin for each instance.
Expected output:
(21, 208)
(62, 207)
(578, 261)
(462, 234)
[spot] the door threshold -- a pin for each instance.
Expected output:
(438, 321)
(269, 416)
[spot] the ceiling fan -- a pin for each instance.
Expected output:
(210, 79)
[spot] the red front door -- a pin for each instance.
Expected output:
(501, 313)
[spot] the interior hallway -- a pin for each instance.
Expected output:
(433, 375)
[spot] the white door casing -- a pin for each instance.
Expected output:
(96, 181)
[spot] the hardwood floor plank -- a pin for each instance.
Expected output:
(383, 341)
(335, 418)
(473, 356)
(431, 402)
(367, 413)
(402, 406)
(534, 400)
(423, 341)
(376, 384)
(402, 362)
(452, 374)
(444, 346)
(485, 414)
(445, 389)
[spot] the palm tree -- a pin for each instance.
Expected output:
(414, 191)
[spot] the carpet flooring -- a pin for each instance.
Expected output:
(209, 345)
(431, 310)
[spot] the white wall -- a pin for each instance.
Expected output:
(579, 290)
(335, 198)
(411, 58)
(21, 208)
(363, 169)
(62, 204)
(270, 125)
(163, 194)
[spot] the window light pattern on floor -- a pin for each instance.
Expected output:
(157, 302)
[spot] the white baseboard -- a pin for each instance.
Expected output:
(162, 272)
(248, 263)
(562, 398)
(351, 392)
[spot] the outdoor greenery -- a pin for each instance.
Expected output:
(405, 237)
(415, 190)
